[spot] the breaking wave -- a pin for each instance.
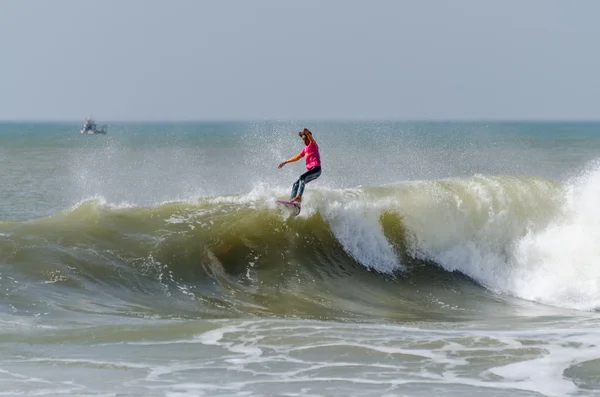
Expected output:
(415, 250)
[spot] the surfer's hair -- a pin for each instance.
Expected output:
(304, 132)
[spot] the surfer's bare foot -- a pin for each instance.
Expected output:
(297, 199)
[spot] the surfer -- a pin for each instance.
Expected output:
(313, 164)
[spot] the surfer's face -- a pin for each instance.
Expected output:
(305, 139)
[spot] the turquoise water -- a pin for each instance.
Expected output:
(447, 256)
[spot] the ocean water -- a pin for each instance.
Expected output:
(429, 258)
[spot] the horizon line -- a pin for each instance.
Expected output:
(308, 120)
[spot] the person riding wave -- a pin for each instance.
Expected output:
(313, 164)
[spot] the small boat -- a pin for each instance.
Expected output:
(90, 128)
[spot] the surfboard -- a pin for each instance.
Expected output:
(293, 207)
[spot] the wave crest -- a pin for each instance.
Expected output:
(243, 248)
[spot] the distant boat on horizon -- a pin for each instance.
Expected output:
(90, 128)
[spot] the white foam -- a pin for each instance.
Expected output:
(402, 356)
(529, 240)
(355, 223)
(560, 265)
(297, 357)
(101, 201)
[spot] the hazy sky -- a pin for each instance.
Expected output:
(307, 59)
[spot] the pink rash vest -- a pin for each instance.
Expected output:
(311, 152)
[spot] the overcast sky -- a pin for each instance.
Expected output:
(302, 59)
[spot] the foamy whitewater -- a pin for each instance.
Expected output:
(429, 258)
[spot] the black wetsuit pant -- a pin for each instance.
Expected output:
(308, 176)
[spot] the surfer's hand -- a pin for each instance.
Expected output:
(281, 165)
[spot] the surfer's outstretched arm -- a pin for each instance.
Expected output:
(291, 160)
